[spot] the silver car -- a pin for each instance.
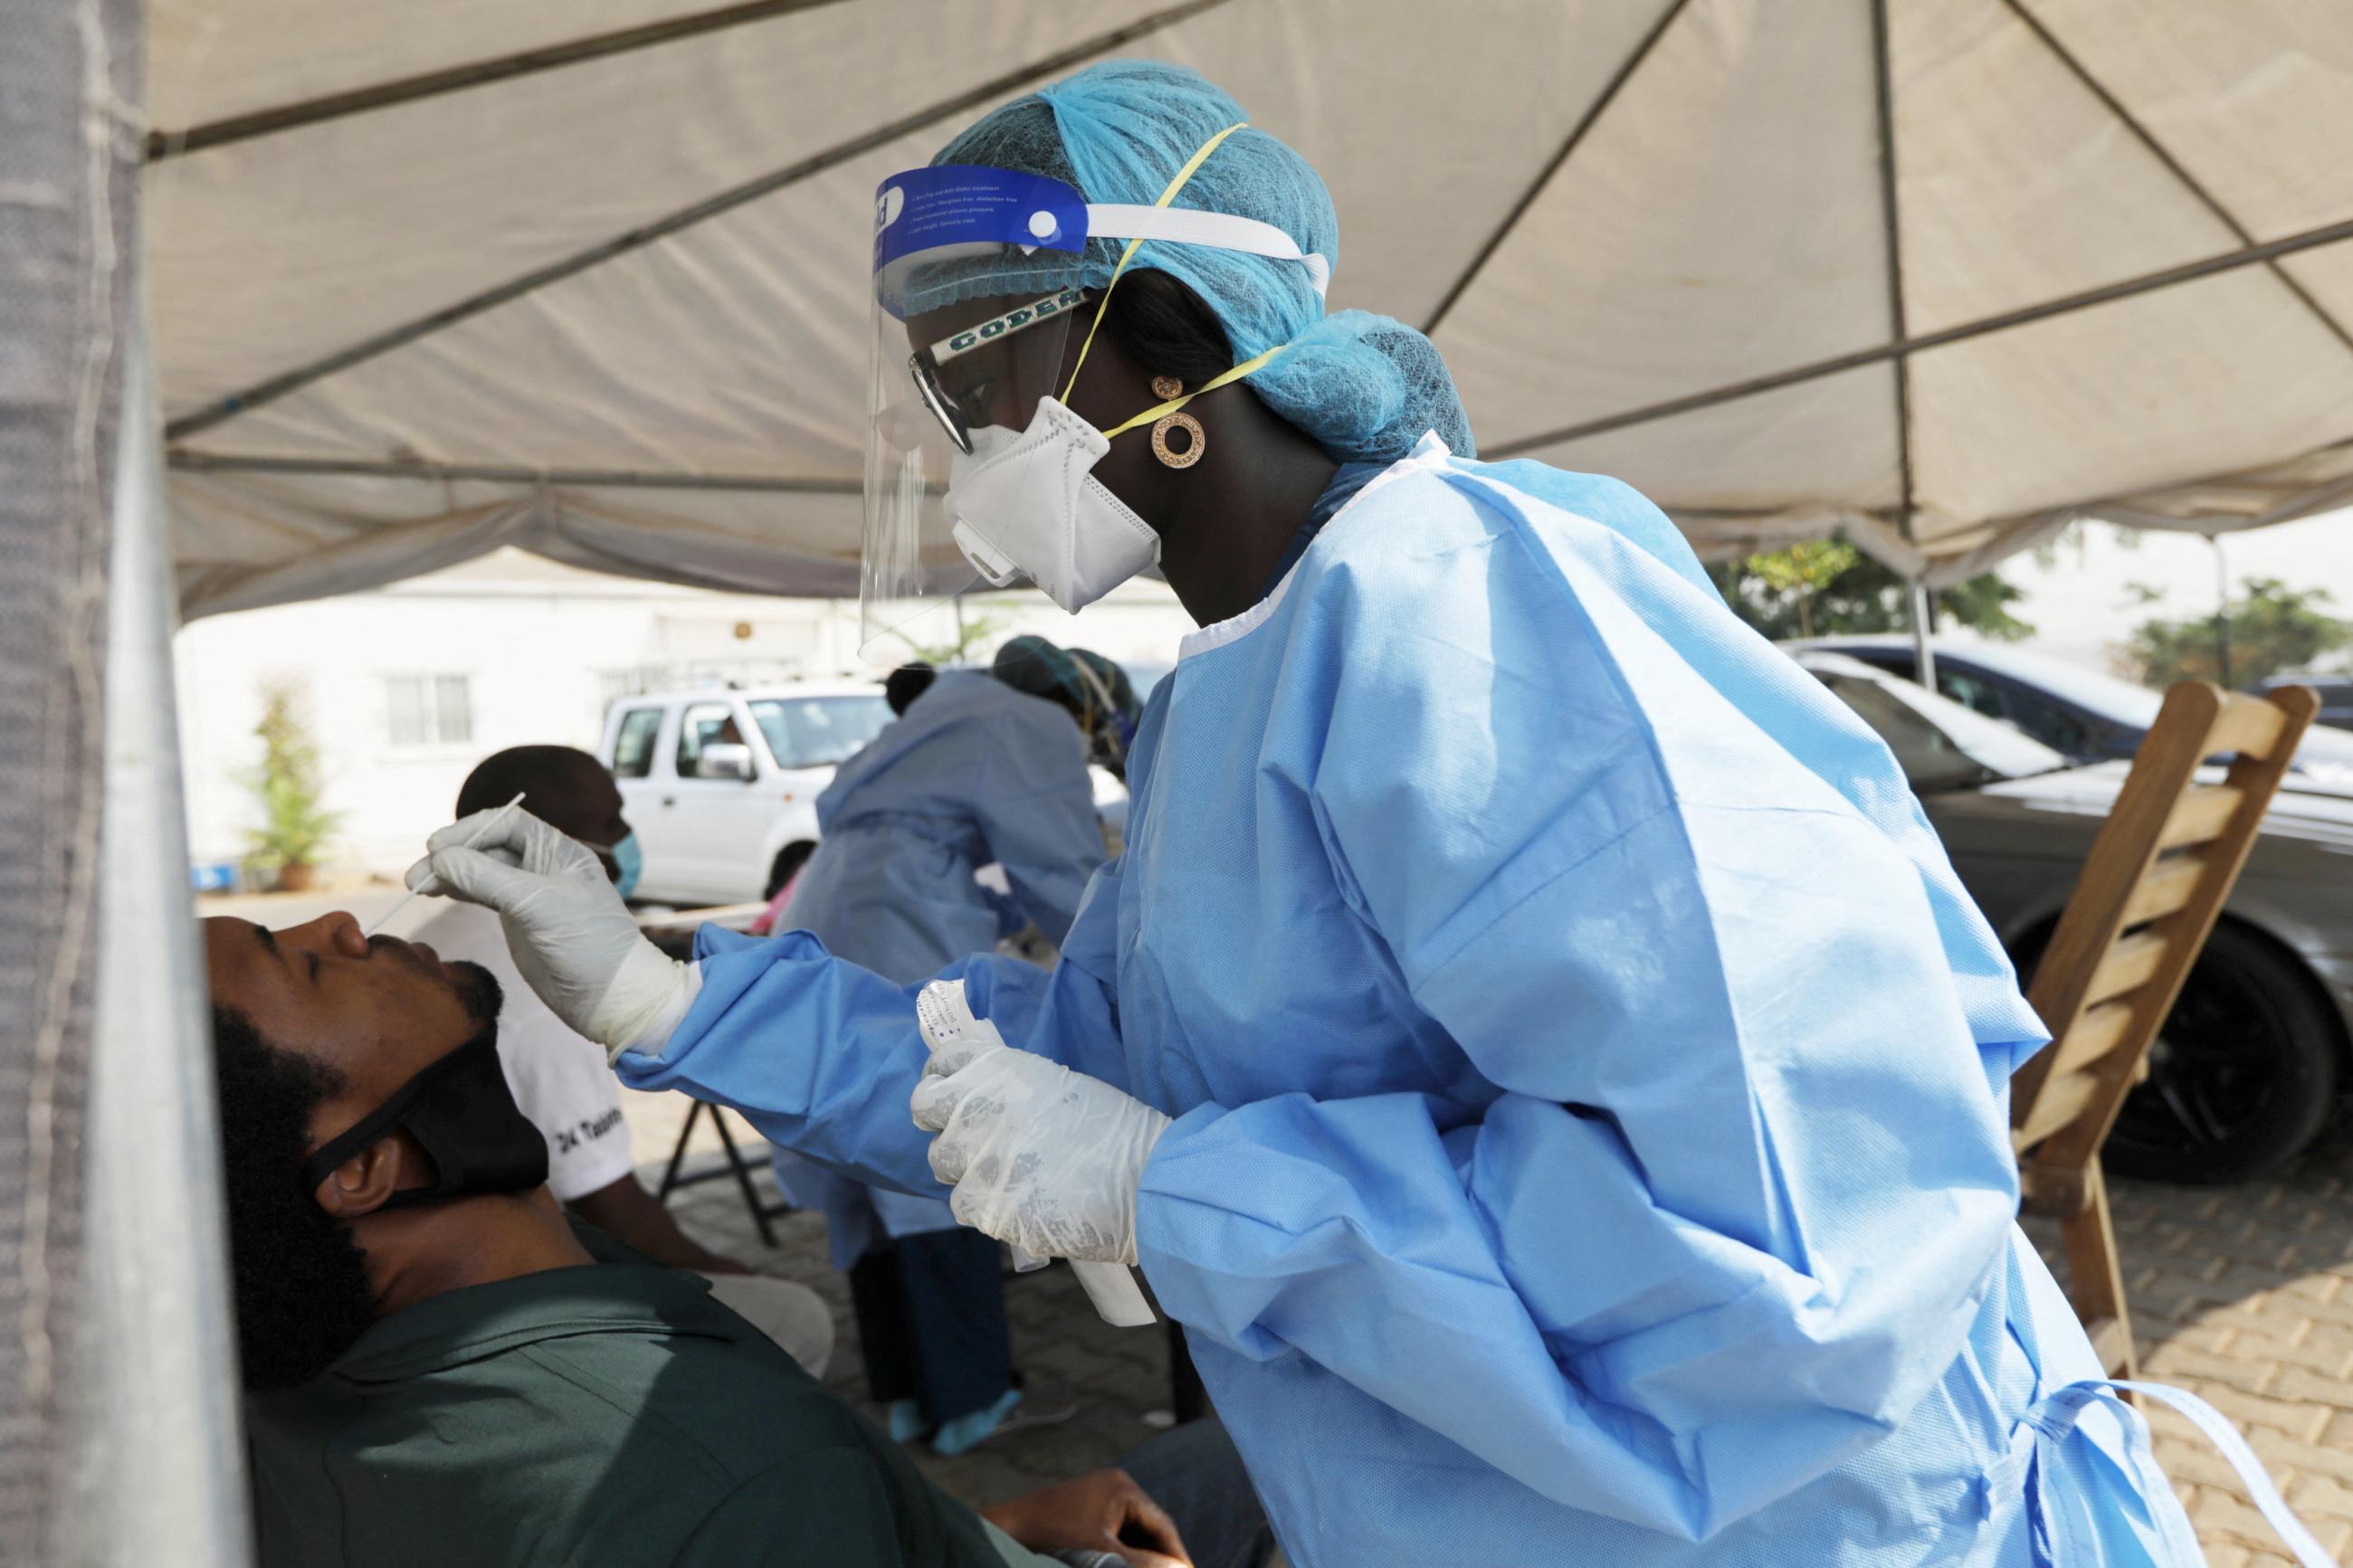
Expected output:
(2091, 717)
(2249, 1066)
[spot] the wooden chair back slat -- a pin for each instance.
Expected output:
(2150, 891)
(2129, 964)
(2144, 884)
(2097, 1035)
(2170, 883)
(2250, 726)
(2064, 1097)
(2205, 814)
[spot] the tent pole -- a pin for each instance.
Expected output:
(183, 460)
(2221, 611)
(158, 1459)
(1924, 650)
(1924, 658)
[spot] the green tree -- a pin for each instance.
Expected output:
(2271, 629)
(295, 825)
(1792, 579)
(1827, 587)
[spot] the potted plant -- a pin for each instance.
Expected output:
(294, 825)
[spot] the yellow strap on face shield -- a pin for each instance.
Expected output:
(1158, 410)
(1175, 185)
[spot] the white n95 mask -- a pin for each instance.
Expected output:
(1031, 503)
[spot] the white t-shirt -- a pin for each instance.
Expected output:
(559, 1080)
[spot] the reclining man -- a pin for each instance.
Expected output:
(443, 1372)
(560, 1080)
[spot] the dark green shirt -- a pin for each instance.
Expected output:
(612, 1414)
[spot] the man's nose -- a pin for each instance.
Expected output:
(338, 933)
(344, 928)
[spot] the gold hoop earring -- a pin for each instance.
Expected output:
(1164, 387)
(1192, 453)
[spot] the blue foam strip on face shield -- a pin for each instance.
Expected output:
(932, 214)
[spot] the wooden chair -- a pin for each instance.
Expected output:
(2157, 877)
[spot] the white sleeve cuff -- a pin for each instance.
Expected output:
(659, 1026)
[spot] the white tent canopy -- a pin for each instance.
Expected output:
(441, 275)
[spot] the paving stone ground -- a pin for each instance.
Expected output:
(2242, 1295)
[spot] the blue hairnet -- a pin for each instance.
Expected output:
(1364, 386)
(1029, 663)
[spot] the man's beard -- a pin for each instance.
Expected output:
(477, 989)
(300, 1281)
(480, 992)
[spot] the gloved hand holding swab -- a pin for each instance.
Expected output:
(385, 919)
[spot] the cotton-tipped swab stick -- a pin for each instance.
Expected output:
(498, 817)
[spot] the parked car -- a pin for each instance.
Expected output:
(2336, 695)
(2089, 716)
(721, 785)
(2248, 1066)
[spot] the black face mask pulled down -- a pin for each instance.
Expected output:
(464, 1117)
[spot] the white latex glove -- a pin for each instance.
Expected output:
(570, 933)
(1042, 1157)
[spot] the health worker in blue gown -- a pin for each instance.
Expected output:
(1532, 1041)
(975, 772)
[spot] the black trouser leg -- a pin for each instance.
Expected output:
(1186, 1397)
(953, 1300)
(884, 1338)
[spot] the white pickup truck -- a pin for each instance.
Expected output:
(721, 785)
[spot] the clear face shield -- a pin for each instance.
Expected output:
(977, 473)
(976, 289)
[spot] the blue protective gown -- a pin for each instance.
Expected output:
(1591, 1079)
(974, 772)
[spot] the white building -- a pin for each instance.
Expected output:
(408, 687)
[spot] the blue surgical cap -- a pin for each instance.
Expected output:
(1029, 663)
(1364, 386)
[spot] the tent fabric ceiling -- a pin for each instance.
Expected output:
(1653, 237)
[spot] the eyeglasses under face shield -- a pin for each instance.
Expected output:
(983, 375)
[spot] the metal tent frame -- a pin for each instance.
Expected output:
(1890, 533)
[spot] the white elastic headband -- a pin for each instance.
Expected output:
(1190, 226)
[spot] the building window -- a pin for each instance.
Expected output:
(428, 709)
